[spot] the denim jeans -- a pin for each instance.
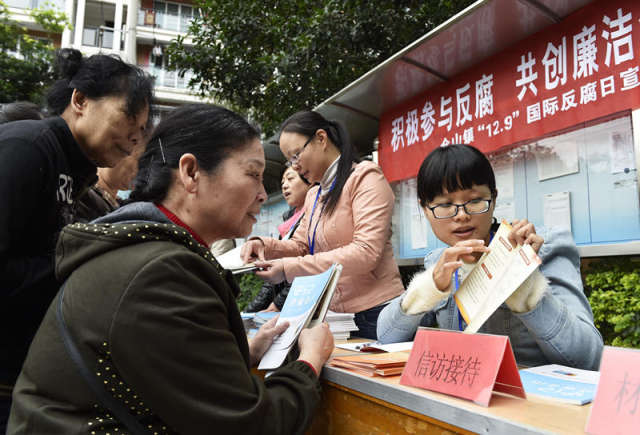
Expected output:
(367, 322)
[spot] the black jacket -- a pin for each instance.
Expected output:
(155, 319)
(42, 172)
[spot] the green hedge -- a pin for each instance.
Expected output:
(613, 286)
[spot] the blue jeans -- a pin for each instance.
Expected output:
(367, 322)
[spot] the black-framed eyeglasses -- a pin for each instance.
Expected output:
(474, 206)
(296, 157)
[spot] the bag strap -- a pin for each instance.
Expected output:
(106, 399)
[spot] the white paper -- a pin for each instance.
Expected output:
(557, 210)
(555, 159)
(418, 230)
(621, 152)
(231, 259)
(495, 277)
(417, 223)
(503, 170)
(505, 210)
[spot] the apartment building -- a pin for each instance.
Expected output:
(136, 30)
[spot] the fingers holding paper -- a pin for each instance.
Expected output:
(452, 258)
(271, 271)
(263, 339)
(523, 231)
(252, 250)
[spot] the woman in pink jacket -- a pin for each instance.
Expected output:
(347, 220)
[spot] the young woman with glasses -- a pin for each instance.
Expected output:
(347, 220)
(548, 318)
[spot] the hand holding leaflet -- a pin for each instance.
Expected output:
(306, 305)
(497, 274)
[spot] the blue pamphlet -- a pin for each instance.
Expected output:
(306, 304)
(560, 383)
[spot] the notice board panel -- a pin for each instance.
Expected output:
(588, 173)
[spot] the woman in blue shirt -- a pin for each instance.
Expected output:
(548, 318)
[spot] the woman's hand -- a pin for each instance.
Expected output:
(272, 271)
(252, 250)
(263, 339)
(316, 345)
(452, 258)
(522, 232)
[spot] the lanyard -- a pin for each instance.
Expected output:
(456, 280)
(312, 242)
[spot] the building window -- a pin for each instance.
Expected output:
(167, 78)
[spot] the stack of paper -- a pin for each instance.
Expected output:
(378, 364)
(231, 260)
(341, 324)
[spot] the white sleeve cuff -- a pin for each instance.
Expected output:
(422, 294)
(527, 296)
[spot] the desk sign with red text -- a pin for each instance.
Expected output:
(470, 366)
(616, 407)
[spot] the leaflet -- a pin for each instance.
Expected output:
(306, 305)
(497, 274)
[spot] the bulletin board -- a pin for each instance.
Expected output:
(584, 180)
(270, 217)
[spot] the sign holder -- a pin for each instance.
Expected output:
(470, 366)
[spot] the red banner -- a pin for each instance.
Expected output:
(580, 69)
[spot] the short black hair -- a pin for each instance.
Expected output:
(452, 168)
(99, 76)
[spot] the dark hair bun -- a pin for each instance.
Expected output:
(68, 62)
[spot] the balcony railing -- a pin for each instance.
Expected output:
(170, 17)
(32, 4)
(98, 37)
(168, 79)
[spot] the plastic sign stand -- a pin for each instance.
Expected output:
(616, 407)
(470, 366)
